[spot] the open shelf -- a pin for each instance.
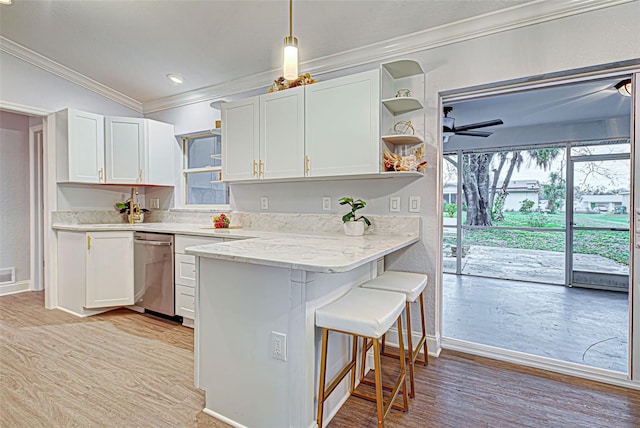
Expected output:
(402, 139)
(402, 104)
(402, 173)
(403, 68)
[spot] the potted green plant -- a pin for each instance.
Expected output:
(124, 207)
(352, 224)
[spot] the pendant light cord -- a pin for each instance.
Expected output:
(290, 18)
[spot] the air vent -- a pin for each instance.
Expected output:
(7, 275)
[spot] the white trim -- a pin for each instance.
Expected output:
(433, 342)
(35, 210)
(20, 108)
(50, 205)
(543, 363)
(16, 287)
(47, 64)
(222, 418)
(531, 13)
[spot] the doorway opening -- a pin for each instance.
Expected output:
(536, 224)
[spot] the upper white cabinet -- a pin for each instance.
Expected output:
(80, 146)
(263, 137)
(240, 139)
(282, 134)
(342, 125)
(139, 151)
(114, 150)
(124, 145)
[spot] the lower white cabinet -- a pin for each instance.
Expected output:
(185, 275)
(95, 271)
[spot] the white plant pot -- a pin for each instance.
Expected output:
(354, 228)
(136, 221)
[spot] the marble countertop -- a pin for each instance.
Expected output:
(314, 252)
(173, 228)
(326, 253)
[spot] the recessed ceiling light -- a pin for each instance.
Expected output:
(176, 79)
(5, 1)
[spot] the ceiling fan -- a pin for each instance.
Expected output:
(449, 130)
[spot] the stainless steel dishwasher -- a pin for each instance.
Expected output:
(153, 272)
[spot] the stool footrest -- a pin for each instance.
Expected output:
(390, 401)
(339, 378)
(414, 353)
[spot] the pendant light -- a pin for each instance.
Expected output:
(290, 66)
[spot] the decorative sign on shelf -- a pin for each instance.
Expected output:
(404, 127)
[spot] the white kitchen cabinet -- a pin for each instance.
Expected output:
(95, 271)
(124, 145)
(241, 139)
(79, 139)
(185, 275)
(139, 151)
(109, 265)
(282, 134)
(342, 125)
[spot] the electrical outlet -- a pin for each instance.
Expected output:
(326, 203)
(278, 346)
(154, 203)
(394, 204)
(264, 203)
(414, 204)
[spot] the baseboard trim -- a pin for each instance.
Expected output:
(16, 287)
(433, 342)
(224, 419)
(543, 363)
(90, 312)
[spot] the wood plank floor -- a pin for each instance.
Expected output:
(124, 369)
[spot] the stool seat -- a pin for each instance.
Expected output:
(362, 312)
(409, 283)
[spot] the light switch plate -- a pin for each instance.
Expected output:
(154, 203)
(264, 203)
(326, 203)
(394, 204)
(414, 204)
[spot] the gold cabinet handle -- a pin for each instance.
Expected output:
(141, 176)
(101, 175)
(254, 168)
(306, 164)
(88, 242)
(261, 168)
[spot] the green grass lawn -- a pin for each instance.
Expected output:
(609, 244)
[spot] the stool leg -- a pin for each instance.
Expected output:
(424, 331)
(354, 356)
(407, 311)
(378, 378)
(323, 370)
(403, 370)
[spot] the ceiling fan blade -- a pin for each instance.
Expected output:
(480, 125)
(474, 133)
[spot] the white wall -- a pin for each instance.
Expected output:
(14, 194)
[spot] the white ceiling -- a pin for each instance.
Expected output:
(130, 46)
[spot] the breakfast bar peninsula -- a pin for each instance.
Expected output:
(256, 345)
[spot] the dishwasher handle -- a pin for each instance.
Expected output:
(156, 243)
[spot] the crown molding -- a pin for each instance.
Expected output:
(34, 58)
(19, 108)
(532, 13)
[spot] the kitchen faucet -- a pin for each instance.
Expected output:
(134, 208)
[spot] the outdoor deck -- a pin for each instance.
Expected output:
(578, 325)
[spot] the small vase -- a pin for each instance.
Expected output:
(354, 228)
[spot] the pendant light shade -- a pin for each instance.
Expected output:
(290, 64)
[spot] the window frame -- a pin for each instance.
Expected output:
(186, 171)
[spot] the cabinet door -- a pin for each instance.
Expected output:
(124, 142)
(109, 271)
(282, 134)
(86, 147)
(160, 150)
(342, 118)
(240, 139)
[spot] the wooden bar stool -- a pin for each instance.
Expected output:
(412, 285)
(368, 314)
